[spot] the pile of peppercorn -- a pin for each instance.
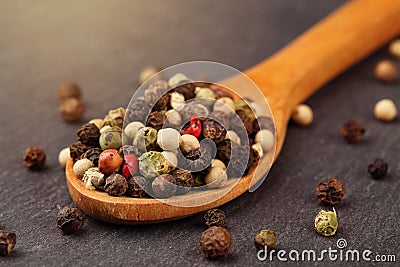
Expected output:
(177, 135)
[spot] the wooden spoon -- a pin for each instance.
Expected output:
(286, 79)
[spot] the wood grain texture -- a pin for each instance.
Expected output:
(294, 73)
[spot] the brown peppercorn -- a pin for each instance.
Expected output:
(116, 185)
(137, 110)
(34, 158)
(213, 130)
(163, 186)
(89, 134)
(378, 168)
(136, 187)
(77, 149)
(386, 71)
(265, 238)
(352, 131)
(163, 103)
(215, 217)
(67, 90)
(330, 192)
(215, 242)
(93, 155)
(184, 180)
(71, 109)
(70, 220)
(7, 242)
(156, 120)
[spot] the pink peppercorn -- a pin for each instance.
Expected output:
(129, 166)
(109, 161)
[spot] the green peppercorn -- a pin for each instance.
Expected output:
(145, 139)
(115, 117)
(326, 223)
(152, 164)
(111, 138)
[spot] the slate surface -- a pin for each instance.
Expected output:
(103, 45)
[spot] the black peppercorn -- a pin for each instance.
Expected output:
(183, 179)
(89, 134)
(77, 149)
(215, 242)
(34, 158)
(7, 242)
(213, 130)
(378, 168)
(352, 131)
(116, 185)
(136, 187)
(187, 90)
(156, 120)
(215, 217)
(93, 155)
(137, 110)
(163, 103)
(163, 186)
(330, 191)
(70, 220)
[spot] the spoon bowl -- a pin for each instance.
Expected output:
(286, 79)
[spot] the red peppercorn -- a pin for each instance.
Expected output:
(195, 127)
(109, 161)
(130, 165)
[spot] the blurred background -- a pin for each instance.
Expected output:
(103, 46)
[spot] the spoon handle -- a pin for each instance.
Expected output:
(331, 46)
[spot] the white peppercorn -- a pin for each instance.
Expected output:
(225, 104)
(177, 101)
(303, 115)
(132, 128)
(218, 163)
(97, 122)
(266, 138)
(171, 159)
(189, 143)
(147, 73)
(206, 96)
(177, 79)
(386, 71)
(258, 148)
(233, 136)
(63, 157)
(81, 166)
(93, 178)
(385, 110)
(257, 109)
(216, 177)
(173, 119)
(394, 48)
(168, 139)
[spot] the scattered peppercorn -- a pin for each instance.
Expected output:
(352, 131)
(7, 242)
(215, 242)
(163, 186)
(303, 115)
(385, 110)
(330, 191)
(137, 187)
(394, 48)
(215, 217)
(116, 185)
(265, 238)
(67, 90)
(378, 168)
(326, 223)
(89, 134)
(70, 220)
(386, 71)
(71, 109)
(34, 158)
